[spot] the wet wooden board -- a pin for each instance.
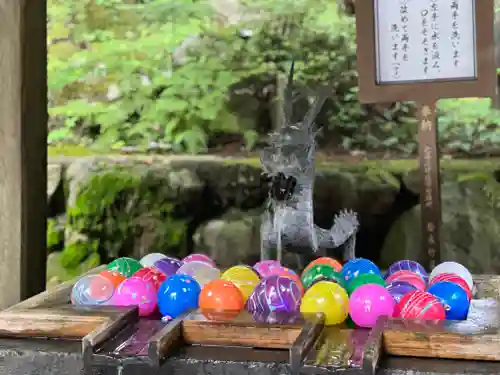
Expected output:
(477, 338)
(68, 322)
(295, 333)
(344, 350)
(269, 331)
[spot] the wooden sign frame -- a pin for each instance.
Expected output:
(426, 95)
(371, 92)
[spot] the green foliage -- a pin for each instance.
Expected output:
(117, 76)
(469, 125)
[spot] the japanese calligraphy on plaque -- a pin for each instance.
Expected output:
(425, 40)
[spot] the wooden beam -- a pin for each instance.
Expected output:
(23, 149)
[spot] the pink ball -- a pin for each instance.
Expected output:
(281, 271)
(265, 267)
(199, 258)
(137, 292)
(368, 302)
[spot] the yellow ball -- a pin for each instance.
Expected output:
(244, 277)
(329, 298)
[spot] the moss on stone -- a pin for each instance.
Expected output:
(123, 209)
(392, 166)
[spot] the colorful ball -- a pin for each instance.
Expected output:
(328, 298)
(115, 277)
(408, 276)
(202, 272)
(398, 289)
(151, 275)
(320, 272)
(220, 295)
(178, 294)
(281, 270)
(244, 277)
(365, 278)
(457, 269)
(451, 277)
(407, 265)
(369, 302)
(275, 294)
(275, 317)
(199, 258)
(137, 292)
(355, 267)
(419, 305)
(295, 278)
(265, 267)
(168, 266)
(150, 259)
(335, 264)
(92, 290)
(453, 298)
(126, 266)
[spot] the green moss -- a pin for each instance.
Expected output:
(75, 150)
(393, 166)
(123, 210)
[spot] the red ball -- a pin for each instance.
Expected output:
(408, 276)
(152, 275)
(419, 305)
(452, 278)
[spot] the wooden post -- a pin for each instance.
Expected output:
(23, 149)
(430, 183)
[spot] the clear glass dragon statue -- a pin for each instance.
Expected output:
(288, 222)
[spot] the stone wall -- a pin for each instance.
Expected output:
(105, 207)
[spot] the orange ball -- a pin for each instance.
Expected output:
(115, 277)
(335, 264)
(219, 316)
(220, 295)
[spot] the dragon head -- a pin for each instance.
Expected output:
(289, 156)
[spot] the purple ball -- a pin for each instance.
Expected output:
(168, 266)
(398, 289)
(276, 317)
(275, 294)
(407, 265)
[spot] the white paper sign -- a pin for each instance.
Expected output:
(424, 40)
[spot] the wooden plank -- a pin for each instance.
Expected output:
(68, 323)
(477, 338)
(344, 350)
(166, 340)
(23, 149)
(269, 331)
(59, 295)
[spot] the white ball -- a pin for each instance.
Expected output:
(150, 259)
(455, 268)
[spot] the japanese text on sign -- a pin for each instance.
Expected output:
(423, 40)
(427, 125)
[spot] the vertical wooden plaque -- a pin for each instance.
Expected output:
(430, 201)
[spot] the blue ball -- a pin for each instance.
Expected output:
(358, 266)
(178, 294)
(453, 298)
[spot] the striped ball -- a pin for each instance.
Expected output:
(452, 278)
(419, 305)
(407, 276)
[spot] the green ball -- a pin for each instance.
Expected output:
(321, 272)
(362, 279)
(126, 266)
